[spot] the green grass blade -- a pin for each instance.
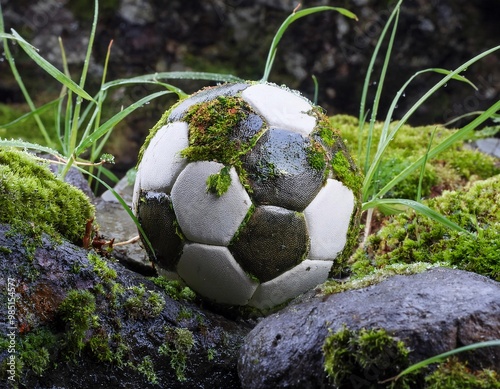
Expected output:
(378, 93)
(18, 143)
(376, 161)
(440, 357)
(30, 114)
(443, 145)
(19, 80)
(50, 69)
(289, 20)
(418, 207)
(316, 89)
(155, 77)
(108, 125)
(422, 169)
(362, 114)
(456, 77)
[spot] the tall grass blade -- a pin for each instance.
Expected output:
(50, 69)
(362, 114)
(385, 129)
(443, 145)
(380, 150)
(380, 86)
(18, 143)
(289, 20)
(155, 77)
(30, 114)
(440, 357)
(418, 207)
(75, 124)
(422, 169)
(108, 125)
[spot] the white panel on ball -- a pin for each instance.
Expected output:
(328, 218)
(205, 217)
(162, 162)
(281, 108)
(214, 273)
(290, 284)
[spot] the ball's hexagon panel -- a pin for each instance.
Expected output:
(203, 96)
(281, 108)
(162, 161)
(290, 284)
(157, 220)
(328, 218)
(205, 217)
(213, 272)
(272, 241)
(279, 171)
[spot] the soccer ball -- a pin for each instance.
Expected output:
(247, 194)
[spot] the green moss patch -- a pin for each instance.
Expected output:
(454, 374)
(409, 237)
(33, 198)
(450, 170)
(355, 359)
(178, 345)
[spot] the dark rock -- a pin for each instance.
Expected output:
(431, 312)
(120, 334)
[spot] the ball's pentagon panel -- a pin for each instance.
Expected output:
(247, 195)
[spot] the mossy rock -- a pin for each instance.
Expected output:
(410, 237)
(450, 170)
(34, 199)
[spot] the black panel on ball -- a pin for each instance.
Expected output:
(158, 222)
(273, 241)
(279, 170)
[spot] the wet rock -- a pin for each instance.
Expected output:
(81, 320)
(431, 312)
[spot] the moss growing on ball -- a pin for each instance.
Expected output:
(219, 183)
(364, 358)
(33, 198)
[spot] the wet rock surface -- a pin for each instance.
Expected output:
(432, 312)
(126, 322)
